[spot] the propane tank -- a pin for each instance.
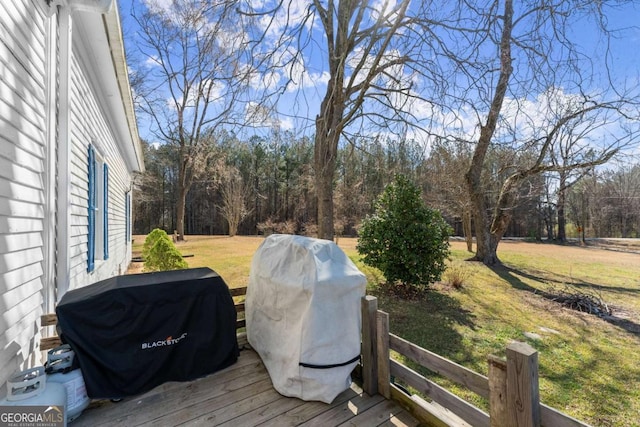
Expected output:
(30, 398)
(60, 369)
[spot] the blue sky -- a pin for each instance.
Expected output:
(296, 108)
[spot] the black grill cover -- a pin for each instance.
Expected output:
(131, 333)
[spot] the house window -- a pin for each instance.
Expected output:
(98, 204)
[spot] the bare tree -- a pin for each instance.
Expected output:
(345, 95)
(447, 161)
(368, 50)
(572, 152)
(507, 99)
(233, 192)
(616, 201)
(192, 79)
(626, 193)
(394, 67)
(579, 197)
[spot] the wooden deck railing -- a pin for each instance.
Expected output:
(511, 387)
(48, 322)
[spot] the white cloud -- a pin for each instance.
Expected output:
(257, 115)
(260, 81)
(298, 74)
(290, 14)
(152, 61)
(382, 8)
(396, 71)
(232, 41)
(286, 123)
(214, 89)
(526, 122)
(268, 80)
(164, 7)
(355, 61)
(303, 79)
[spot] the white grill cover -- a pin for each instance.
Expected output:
(303, 307)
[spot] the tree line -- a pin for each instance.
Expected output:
(506, 94)
(265, 184)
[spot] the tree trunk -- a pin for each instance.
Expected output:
(562, 233)
(328, 130)
(486, 247)
(183, 188)
(486, 239)
(550, 234)
(180, 207)
(325, 165)
(540, 223)
(466, 229)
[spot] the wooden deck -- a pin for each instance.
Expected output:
(241, 395)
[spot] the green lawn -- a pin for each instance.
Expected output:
(589, 368)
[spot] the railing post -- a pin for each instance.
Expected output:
(523, 393)
(384, 370)
(498, 392)
(369, 346)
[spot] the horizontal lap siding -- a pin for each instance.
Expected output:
(89, 125)
(22, 181)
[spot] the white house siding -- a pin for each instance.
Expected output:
(28, 143)
(90, 126)
(22, 176)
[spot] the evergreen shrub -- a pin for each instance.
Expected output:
(406, 240)
(160, 253)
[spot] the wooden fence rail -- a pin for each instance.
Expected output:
(511, 388)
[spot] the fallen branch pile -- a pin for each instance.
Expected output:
(585, 302)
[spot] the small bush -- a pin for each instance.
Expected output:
(151, 240)
(269, 227)
(160, 254)
(310, 229)
(405, 239)
(456, 275)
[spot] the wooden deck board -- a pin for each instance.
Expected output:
(232, 410)
(241, 395)
(400, 419)
(173, 396)
(375, 415)
(344, 412)
(308, 410)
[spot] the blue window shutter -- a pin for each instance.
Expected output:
(91, 212)
(127, 216)
(106, 212)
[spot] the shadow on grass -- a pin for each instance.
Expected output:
(545, 276)
(430, 321)
(512, 276)
(585, 374)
